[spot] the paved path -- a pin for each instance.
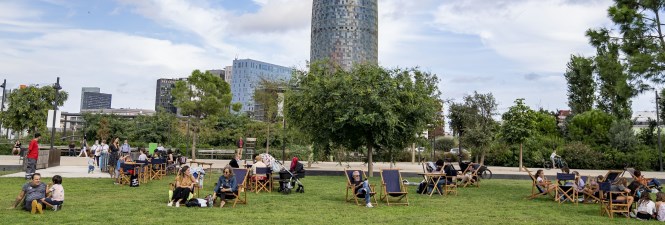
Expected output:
(77, 167)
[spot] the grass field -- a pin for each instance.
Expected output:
(99, 201)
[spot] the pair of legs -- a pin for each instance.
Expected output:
(34, 206)
(49, 202)
(91, 168)
(224, 196)
(31, 166)
(103, 161)
(16, 151)
(180, 195)
(83, 152)
(364, 191)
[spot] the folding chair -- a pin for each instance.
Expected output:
(124, 173)
(145, 170)
(588, 193)
(565, 191)
(473, 169)
(631, 171)
(155, 168)
(391, 183)
(536, 189)
(451, 183)
(352, 188)
(241, 179)
(608, 203)
(612, 175)
(261, 182)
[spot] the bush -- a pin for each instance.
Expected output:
(580, 156)
(501, 154)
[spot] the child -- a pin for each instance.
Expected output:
(120, 161)
(660, 206)
(591, 189)
(91, 163)
(57, 194)
(645, 207)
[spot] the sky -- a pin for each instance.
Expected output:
(511, 48)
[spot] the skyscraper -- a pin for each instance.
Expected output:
(345, 31)
(163, 97)
(246, 76)
(91, 98)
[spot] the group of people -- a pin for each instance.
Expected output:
(37, 196)
(640, 188)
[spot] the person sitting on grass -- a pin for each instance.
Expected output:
(660, 206)
(645, 208)
(543, 183)
(31, 193)
(57, 193)
(362, 188)
(226, 186)
(184, 184)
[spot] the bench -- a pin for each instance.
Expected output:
(216, 153)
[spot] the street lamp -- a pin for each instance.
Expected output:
(2, 106)
(57, 88)
(660, 152)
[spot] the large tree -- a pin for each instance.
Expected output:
(581, 85)
(473, 120)
(518, 125)
(368, 106)
(28, 108)
(200, 96)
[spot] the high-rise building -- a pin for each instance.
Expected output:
(163, 97)
(246, 76)
(345, 32)
(91, 98)
(228, 74)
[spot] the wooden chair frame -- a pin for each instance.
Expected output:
(609, 206)
(474, 174)
(401, 194)
(352, 188)
(262, 184)
(241, 197)
(536, 190)
(568, 192)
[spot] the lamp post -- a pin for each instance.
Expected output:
(660, 152)
(57, 88)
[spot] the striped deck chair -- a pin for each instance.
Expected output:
(565, 190)
(241, 179)
(392, 187)
(350, 187)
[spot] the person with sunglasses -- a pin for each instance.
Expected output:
(362, 188)
(226, 187)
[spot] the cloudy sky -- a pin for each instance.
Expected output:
(512, 48)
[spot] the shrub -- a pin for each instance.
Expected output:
(580, 156)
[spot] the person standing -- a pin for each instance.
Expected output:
(125, 148)
(114, 150)
(240, 143)
(84, 149)
(553, 157)
(104, 157)
(33, 155)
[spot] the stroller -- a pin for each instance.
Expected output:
(288, 179)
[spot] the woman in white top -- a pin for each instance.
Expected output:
(97, 151)
(543, 183)
(645, 207)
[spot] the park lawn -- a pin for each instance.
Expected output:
(99, 201)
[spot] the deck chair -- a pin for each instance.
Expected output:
(565, 191)
(392, 187)
(352, 188)
(157, 171)
(241, 179)
(144, 174)
(125, 173)
(261, 183)
(472, 169)
(451, 180)
(537, 190)
(631, 171)
(612, 175)
(588, 195)
(608, 206)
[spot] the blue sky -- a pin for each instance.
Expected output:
(514, 49)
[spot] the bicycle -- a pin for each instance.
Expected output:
(485, 173)
(560, 162)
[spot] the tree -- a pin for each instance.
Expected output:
(200, 96)
(615, 91)
(474, 119)
(104, 131)
(368, 106)
(518, 124)
(268, 96)
(590, 127)
(581, 85)
(28, 108)
(621, 136)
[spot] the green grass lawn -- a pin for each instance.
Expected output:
(98, 201)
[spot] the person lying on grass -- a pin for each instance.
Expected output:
(226, 186)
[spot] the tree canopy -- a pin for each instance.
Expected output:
(28, 107)
(368, 106)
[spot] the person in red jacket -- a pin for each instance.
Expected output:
(31, 158)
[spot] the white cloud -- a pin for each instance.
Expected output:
(541, 35)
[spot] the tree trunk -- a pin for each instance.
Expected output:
(521, 157)
(194, 137)
(370, 168)
(268, 140)
(413, 153)
(310, 157)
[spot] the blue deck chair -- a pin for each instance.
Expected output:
(565, 189)
(612, 175)
(359, 198)
(392, 187)
(608, 203)
(241, 180)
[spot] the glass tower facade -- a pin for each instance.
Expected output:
(345, 31)
(246, 76)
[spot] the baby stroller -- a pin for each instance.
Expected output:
(289, 179)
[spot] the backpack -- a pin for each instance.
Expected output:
(197, 202)
(422, 188)
(134, 180)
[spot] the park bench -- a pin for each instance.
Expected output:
(216, 153)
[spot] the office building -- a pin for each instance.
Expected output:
(163, 97)
(247, 73)
(219, 73)
(92, 98)
(228, 74)
(345, 32)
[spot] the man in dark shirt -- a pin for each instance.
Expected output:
(31, 193)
